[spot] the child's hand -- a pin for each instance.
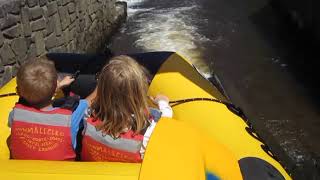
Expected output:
(163, 104)
(161, 97)
(66, 81)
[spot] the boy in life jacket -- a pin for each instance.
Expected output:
(39, 130)
(121, 124)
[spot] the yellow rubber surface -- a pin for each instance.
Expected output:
(177, 79)
(179, 151)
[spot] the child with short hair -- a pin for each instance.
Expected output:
(39, 130)
(120, 124)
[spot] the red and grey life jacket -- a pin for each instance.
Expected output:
(97, 146)
(42, 135)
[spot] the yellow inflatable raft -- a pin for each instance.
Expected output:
(205, 135)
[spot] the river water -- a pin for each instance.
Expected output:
(257, 55)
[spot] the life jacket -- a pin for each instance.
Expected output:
(97, 146)
(41, 135)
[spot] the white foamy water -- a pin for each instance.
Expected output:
(166, 29)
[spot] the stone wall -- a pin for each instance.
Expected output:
(31, 28)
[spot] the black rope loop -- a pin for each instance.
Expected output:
(236, 110)
(8, 94)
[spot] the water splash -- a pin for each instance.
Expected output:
(167, 29)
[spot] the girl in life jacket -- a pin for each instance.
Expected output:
(121, 123)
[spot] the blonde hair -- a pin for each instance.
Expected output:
(37, 81)
(121, 100)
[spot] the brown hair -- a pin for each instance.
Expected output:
(121, 100)
(37, 81)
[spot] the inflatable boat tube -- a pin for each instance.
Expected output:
(207, 138)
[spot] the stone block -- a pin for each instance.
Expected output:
(82, 5)
(93, 26)
(59, 2)
(29, 41)
(57, 24)
(60, 49)
(64, 2)
(32, 52)
(73, 46)
(15, 69)
(7, 54)
(93, 17)
(87, 21)
(67, 35)
(72, 33)
(91, 9)
(19, 47)
(60, 40)
(7, 75)
(71, 8)
(73, 17)
(1, 67)
(74, 25)
(43, 2)
(36, 13)
(9, 21)
(1, 39)
(64, 17)
(23, 3)
(39, 43)
(2, 13)
(38, 25)
(50, 41)
(50, 26)
(25, 22)
(52, 8)
(11, 7)
(13, 32)
(32, 3)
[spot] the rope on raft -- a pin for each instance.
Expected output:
(8, 94)
(236, 110)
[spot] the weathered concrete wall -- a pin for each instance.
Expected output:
(30, 28)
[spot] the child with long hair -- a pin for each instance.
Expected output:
(120, 124)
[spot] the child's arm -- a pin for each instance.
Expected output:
(66, 81)
(163, 104)
(10, 119)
